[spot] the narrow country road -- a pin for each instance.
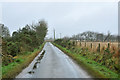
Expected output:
(54, 64)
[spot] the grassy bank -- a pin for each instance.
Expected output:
(95, 69)
(21, 62)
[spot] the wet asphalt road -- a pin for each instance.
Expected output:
(54, 64)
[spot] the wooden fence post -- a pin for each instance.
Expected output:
(80, 44)
(98, 49)
(108, 45)
(85, 44)
(91, 45)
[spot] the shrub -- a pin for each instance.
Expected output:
(12, 49)
(6, 59)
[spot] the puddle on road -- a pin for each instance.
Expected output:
(36, 63)
(30, 72)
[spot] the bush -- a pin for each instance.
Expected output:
(6, 59)
(12, 49)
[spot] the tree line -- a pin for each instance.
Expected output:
(23, 40)
(94, 36)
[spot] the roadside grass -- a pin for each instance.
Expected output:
(21, 62)
(96, 70)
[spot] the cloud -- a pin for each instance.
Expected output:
(67, 18)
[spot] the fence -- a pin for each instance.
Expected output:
(98, 46)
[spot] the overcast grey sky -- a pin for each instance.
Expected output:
(68, 18)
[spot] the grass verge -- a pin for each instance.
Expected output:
(22, 61)
(95, 69)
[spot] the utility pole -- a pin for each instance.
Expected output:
(54, 34)
(60, 35)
